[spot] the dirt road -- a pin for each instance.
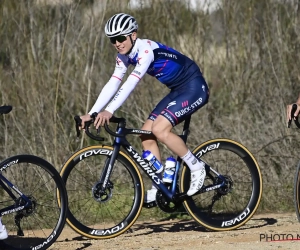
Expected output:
(264, 231)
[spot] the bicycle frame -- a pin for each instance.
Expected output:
(170, 194)
(12, 208)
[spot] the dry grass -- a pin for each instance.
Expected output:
(55, 59)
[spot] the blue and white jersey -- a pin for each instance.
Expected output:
(167, 65)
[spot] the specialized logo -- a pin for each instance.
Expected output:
(12, 210)
(212, 188)
(141, 131)
(171, 104)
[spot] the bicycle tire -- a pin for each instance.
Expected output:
(90, 214)
(297, 191)
(225, 209)
(44, 221)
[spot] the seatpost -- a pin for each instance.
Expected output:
(186, 129)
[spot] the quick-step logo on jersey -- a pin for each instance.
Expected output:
(189, 108)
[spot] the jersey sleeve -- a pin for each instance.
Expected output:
(111, 86)
(145, 58)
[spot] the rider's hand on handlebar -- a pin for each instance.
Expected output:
(101, 118)
(84, 118)
(289, 110)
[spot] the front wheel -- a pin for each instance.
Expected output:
(233, 204)
(36, 226)
(97, 213)
(297, 191)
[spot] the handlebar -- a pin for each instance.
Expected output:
(294, 108)
(5, 109)
(121, 122)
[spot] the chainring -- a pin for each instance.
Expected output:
(165, 205)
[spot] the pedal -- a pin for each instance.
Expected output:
(150, 204)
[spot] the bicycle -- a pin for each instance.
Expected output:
(296, 195)
(106, 189)
(34, 205)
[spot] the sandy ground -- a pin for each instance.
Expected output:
(264, 231)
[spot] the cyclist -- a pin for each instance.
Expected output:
(3, 232)
(289, 109)
(189, 92)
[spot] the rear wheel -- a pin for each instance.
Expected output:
(232, 205)
(99, 214)
(42, 222)
(297, 191)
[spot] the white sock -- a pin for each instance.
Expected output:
(0, 223)
(193, 163)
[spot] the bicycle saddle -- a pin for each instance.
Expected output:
(5, 109)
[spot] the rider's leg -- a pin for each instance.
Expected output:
(3, 232)
(150, 143)
(170, 111)
(161, 128)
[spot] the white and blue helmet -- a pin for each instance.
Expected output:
(120, 24)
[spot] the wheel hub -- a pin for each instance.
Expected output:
(29, 210)
(102, 195)
(225, 189)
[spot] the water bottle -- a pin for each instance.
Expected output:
(169, 170)
(153, 161)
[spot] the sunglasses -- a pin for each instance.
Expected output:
(120, 39)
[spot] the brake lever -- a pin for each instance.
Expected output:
(77, 124)
(93, 116)
(294, 108)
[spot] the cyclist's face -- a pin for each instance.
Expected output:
(124, 46)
